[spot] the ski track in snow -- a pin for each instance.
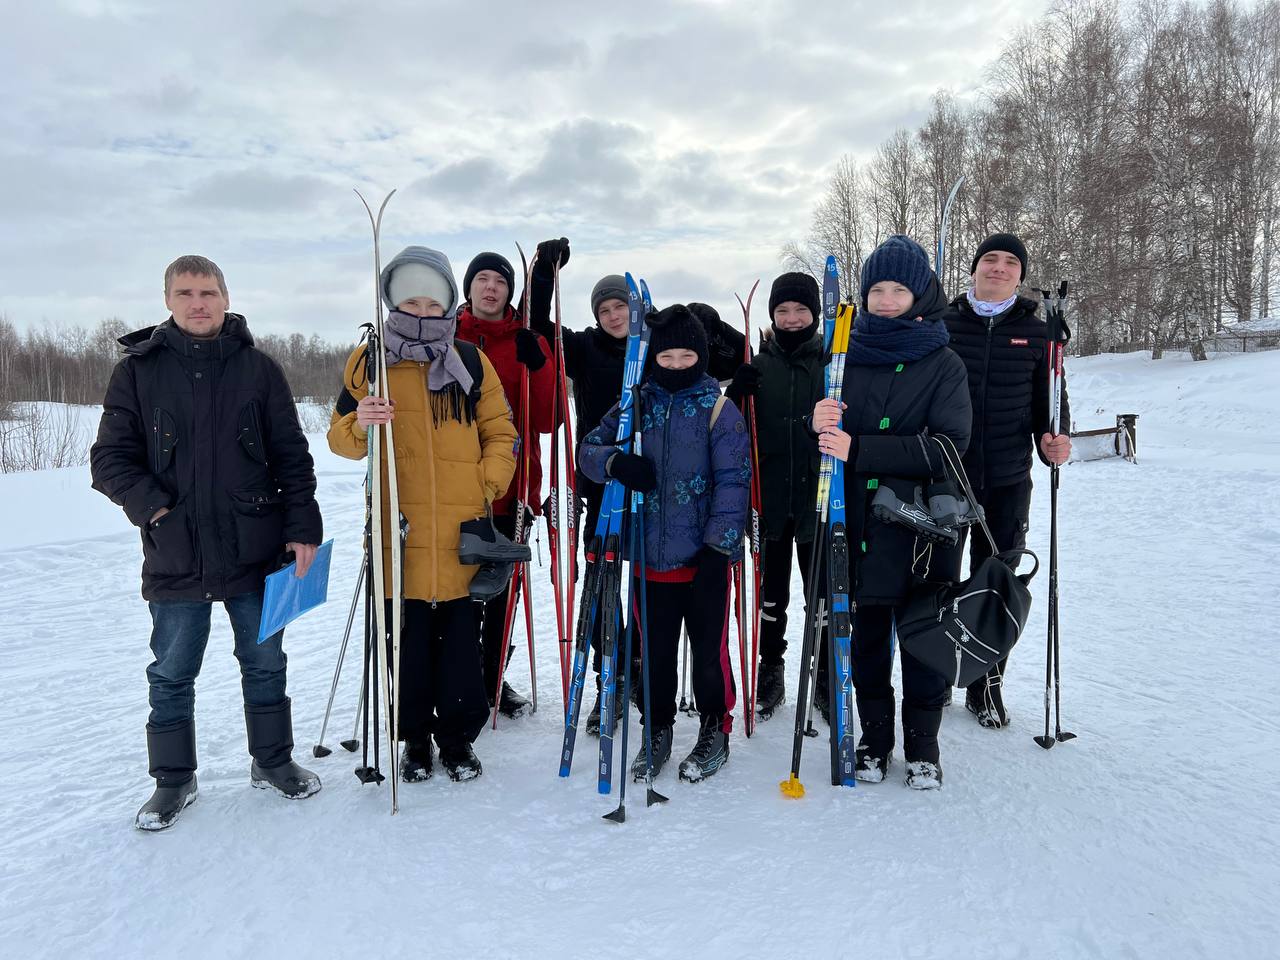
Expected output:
(1152, 835)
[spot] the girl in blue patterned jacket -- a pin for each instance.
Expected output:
(694, 470)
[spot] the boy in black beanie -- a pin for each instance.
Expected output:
(695, 515)
(787, 378)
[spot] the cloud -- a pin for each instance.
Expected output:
(688, 143)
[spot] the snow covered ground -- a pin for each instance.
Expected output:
(1155, 834)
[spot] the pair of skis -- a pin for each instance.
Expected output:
(834, 545)
(564, 572)
(749, 672)
(520, 577)
(601, 592)
(1055, 314)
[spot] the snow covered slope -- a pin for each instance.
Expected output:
(1155, 834)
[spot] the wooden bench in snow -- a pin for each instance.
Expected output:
(1118, 441)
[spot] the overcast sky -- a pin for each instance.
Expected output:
(686, 143)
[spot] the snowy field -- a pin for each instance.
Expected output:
(1152, 835)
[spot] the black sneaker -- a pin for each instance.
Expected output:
(416, 762)
(460, 763)
(661, 754)
(512, 704)
(288, 779)
(709, 754)
(166, 803)
(772, 691)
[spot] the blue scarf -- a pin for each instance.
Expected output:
(879, 341)
(988, 308)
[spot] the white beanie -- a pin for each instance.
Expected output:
(409, 280)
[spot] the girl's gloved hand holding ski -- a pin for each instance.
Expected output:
(633, 471)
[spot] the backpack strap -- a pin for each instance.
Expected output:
(470, 355)
(715, 411)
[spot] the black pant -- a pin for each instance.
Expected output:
(775, 589)
(704, 609)
(495, 614)
(441, 682)
(1007, 509)
(872, 651)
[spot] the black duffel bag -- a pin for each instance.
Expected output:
(961, 629)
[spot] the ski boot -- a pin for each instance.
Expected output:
(490, 580)
(662, 738)
(480, 542)
(460, 762)
(888, 507)
(172, 755)
(772, 691)
(270, 731)
(949, 507)
(709, 754)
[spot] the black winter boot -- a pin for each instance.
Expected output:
(171, 752)
(417, 761)
(985, 700)
(875, 746)
(662, 738)
(822, 697)
(920, 744)
(709, 754)
(512, 704)
(460, 762)
(593, 718)
(271, 746)
(772, 691)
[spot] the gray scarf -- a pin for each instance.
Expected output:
(429, 340)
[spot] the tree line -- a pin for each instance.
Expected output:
(1135, 147)
(72, 364)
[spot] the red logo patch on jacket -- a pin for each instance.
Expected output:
(1019, 341)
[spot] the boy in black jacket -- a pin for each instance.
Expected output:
(1003, 345)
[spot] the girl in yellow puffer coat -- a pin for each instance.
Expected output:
(455, 454)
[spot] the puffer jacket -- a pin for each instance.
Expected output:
(1007, 359)
(498, 341)
(790, 384)
(704, 472)
(207, 428)
(447, 472)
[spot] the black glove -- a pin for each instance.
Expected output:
(551, 252)
(633, 471)
(529, 350)
(712, 575)
(746, 383)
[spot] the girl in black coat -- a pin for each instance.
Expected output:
(902, 385)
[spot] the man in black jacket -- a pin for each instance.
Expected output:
(1004, 347)
(200, 444)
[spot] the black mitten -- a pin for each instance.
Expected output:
(529, 350)
(633, 471)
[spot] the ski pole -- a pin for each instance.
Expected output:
(320, 750)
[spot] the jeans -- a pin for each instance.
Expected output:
(179, 633)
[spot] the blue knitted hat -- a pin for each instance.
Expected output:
(901, 260)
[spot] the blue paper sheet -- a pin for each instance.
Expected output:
(285, 597)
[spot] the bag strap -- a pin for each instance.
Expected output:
(470, 355)
(951, 459)
(715, 411)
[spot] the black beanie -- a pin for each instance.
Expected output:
(901, 260)
(490, 261)
(1005, 243)
(798, 287)
(676, 328)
